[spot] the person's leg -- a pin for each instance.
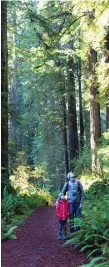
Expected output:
(64, 230)
(59, 229)
(71, 217)
(78, 215)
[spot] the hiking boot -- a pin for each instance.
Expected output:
(59, 237)
(64, 237)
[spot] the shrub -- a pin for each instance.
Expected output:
(94, 262)
(38, 199)
(83, 162)
(21, 205)
(10, 205)
(7, 229)
(94, 234)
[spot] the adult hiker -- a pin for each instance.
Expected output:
(75, 195)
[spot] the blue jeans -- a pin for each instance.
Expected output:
(62, 227)
(75, 212)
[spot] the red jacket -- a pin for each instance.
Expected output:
(62, 209)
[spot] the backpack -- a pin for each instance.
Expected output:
(78, 184)
(74, 195)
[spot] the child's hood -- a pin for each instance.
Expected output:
(62, 200)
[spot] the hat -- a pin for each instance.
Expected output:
(70, 175)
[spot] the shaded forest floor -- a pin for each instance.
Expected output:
(37, 245)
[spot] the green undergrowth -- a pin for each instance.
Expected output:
(93, 237)
(15, 209)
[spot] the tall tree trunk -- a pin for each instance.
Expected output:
(13, 101)
(65, 136)
(13, 98)
(95, 125)
(107, 61)
(86, 126)
(64, 115)
(107, 112)
(4, 94)
(80, 108)
(72, 117)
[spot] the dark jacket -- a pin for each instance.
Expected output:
(74, 189)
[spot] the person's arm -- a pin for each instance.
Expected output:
(65, 188)
(57, 203)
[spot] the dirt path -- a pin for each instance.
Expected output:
(37, 245)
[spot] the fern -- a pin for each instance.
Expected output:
(106, 232)
(106, 264)
(92, 263)
(9, 234)
(92, 252)
(85, 247)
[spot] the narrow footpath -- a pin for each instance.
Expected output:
(37, 245)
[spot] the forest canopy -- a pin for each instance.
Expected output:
(58, 87)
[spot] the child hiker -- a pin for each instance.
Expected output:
(62, 212)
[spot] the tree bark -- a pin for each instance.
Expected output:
(107, 112)
(80, 109)
(64, 126)
(95, 123)
(107, 61)
(4, 93)
(65, 137)
(72, 116)
(13, 128)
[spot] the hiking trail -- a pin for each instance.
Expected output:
(37, 244)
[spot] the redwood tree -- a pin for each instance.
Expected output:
(95, 124)
(107, 61)
(72, 116)
(4, 93)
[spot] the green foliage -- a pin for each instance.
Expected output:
(38, 199)
(10, 205)
(103, 154)
(19, 179)
(41, 53)
(26, 179)
(38, 58)
(83, 162)
(16, 208)
(7, 229)
(7, 204)
(99, 187)
(33, 201)
(55, 194)
(9, 234)
(93, 263)
(93, 236)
